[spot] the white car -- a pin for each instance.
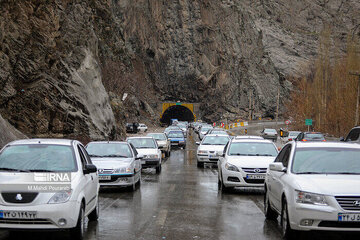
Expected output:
(315, 186)
(292, 135)
(118, 163)
(149, 149)
(210, 148)
(142, 127)
(163, 142)
(203, 130)
(245, 162)
(48, 184)
(249, 137)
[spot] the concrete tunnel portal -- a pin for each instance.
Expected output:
(178, 112)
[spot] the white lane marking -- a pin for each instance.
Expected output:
(162, 217)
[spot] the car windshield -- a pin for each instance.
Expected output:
(205, 129)
(38, 158)
(314, 136)
(326, 161)
(176, 135)
(142, 142)
(252, 149)
(293, 134)
(270, 130)
(116, 150)
(157, 136)
(218, 132)
(215, 140)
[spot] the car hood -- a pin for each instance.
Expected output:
(109, 163)
(328, 184)
(250, 161)
(217, 148)
(147, 151)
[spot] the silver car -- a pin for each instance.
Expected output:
(48, 184)
(118, 163)
(211, 147)
(163, 142)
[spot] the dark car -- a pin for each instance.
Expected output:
(353, 136)
(177, 138)
(132, 127)
(310, 136)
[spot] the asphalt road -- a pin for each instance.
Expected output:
(183, 202)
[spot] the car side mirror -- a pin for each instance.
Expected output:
(197, 143)
(90, 168)
(278, 167)
(139, 156)
(342, 139)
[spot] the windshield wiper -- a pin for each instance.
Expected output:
(94, 155)
(239, 154)
(348, 173)
(114, 155)
(40, 170)
(13, 170)
(310, 173)
(264, 155)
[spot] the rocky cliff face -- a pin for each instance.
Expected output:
(60, 59)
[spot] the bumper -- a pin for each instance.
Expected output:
(206, 159)
(177, 143)
(150, 163)
(325, 218)
(239, 179)
(118, 180)
(47, 216)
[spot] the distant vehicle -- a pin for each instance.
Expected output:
(314, 186)
(310, 136)
(163, 142)
(353, 136)
(218, 131)
(132, 127)
(248, 137)
(183, 128)
(147, 146)
(245, 162)
(177, 138)
(211, 147)
(43, 210)
(142, 127)
(118, 163)
(173, 121)
(269, 133)
(292, 135)
(203, 130)
(171, 128)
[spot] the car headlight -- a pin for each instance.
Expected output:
(152, 156)
(60, 197)
(202, 152)
(231, 167)
(119, 170)
(310, 198)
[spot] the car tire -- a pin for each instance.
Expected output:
(78, 231)
(287, 232)
(270, 214)
(94, 215)
(158, 169)
(200, 164)
(225, 189)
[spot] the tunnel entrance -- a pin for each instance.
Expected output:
(178, 112)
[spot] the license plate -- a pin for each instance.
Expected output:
(255, 176)
(104, 177)
(349, 217)
(143, 162)
(17, 215)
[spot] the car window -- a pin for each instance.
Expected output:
(176, 135)
(353, 135)
(285, 158)
(215, 140)
(117, 150)
(314, 136)
(82, 158)
(35, 157)
(252, 149)
(281, 154)
(157, 136)
(143, 142)
(87, 157)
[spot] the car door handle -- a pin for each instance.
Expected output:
(92, 178)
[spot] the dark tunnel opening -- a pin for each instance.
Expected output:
(178, 112)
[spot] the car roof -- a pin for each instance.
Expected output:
(157, 133)
(249, 137)
(66, 142)
(312, 133)
(217, 135)
(326, 145)
(97, 142)
(140, 137)
(249, 140)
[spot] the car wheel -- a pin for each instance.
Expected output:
(287, 232)
(269, 212)
(225, 189)
(94, 215)
(158, 169)
(200, 164)
(78, 231)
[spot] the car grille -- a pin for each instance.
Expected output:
(254, 170)
(105, 171)
(25, 221)
(254, 181)
(350, 203)
(114, 179)
(335, 224)
(19, 197)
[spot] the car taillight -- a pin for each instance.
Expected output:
(304, 140)
(290, 139)
(324, 140)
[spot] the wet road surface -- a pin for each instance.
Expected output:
(183, 202)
